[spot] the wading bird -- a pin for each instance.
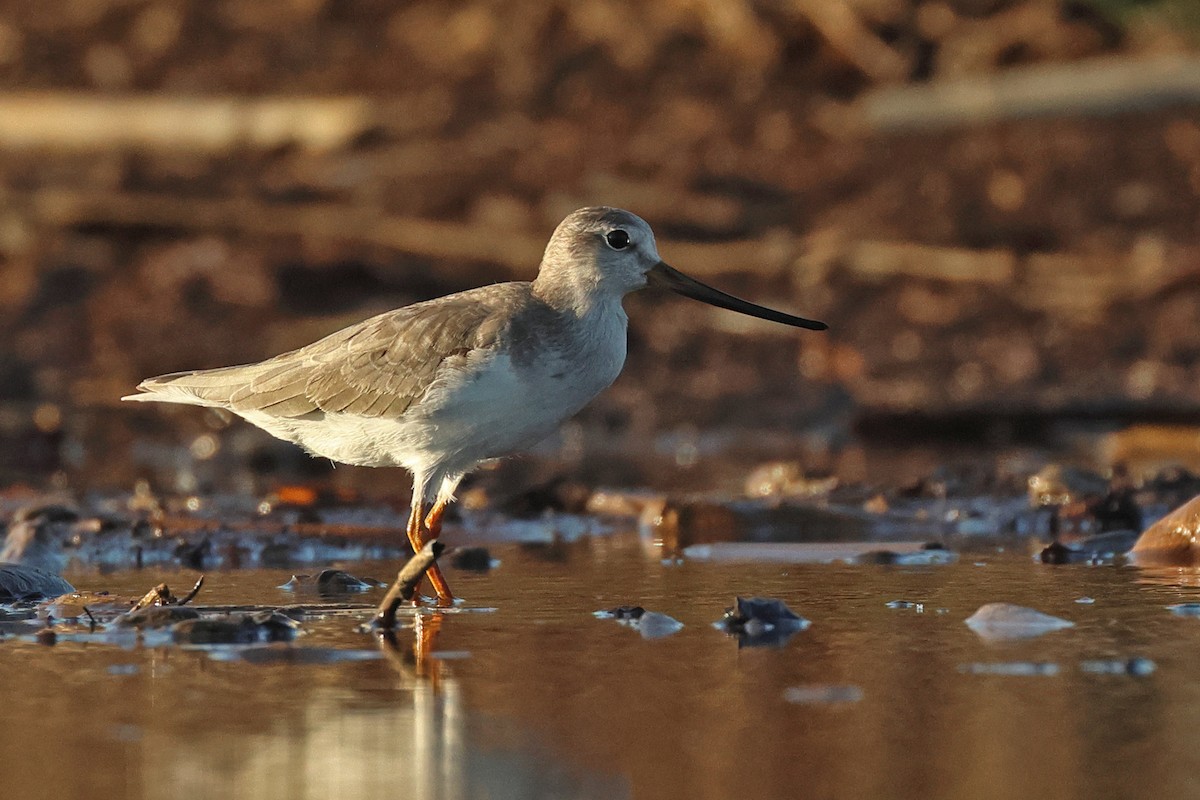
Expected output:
(438, 387)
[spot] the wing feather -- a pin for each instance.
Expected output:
(380, 367)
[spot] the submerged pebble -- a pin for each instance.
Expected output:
(650, 624)
(1185, 609)
(1101, 548)
(758, 621)
(1017, 668)
(330, 582)
(930, 554)
(920, 607)
(653, 625)
(822, 694)
(261, 626)
(1009, 621)
(157, 616)
(1136, 666)
(279, 654)
(473, 559)
(21, 583)
(621, 613)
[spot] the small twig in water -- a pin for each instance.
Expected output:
(406, 583)
(187, 598)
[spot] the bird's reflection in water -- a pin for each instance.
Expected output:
(410, 650)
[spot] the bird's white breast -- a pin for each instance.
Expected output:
(499, 401)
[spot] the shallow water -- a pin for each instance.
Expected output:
(538, 698)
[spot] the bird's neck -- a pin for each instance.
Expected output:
(575, 294)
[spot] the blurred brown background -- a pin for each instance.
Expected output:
(994, 203)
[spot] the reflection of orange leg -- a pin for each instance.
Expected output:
(424, 643)
(433, 523)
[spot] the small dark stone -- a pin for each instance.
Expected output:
(759, 621)
(1118, 510)
(261, 626)
(335, 581)
(475, 559)
(1095, 549)
(330, 583)
(559, 494)
(626, 612)
(1057, 553)
(157, 616)
(192, 555)
(46, 636)
(45, 513)
(19, 583)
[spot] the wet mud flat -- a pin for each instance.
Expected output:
(617, 654)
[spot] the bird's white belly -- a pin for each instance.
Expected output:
(488, 411)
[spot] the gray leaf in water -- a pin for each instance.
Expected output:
(653, 625)
(1017, 668)
(1136, 666)
(1185, 609)
(822, 694)
(1009, 621)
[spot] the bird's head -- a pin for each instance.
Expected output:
(609, 251)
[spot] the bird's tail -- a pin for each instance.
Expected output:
(210, 387)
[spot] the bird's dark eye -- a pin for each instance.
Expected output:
(617, 240)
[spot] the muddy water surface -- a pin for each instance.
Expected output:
(524, 693)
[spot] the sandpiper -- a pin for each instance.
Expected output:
(440, 386)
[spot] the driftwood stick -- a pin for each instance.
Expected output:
(1094, 87)
(433, 239)
(406, 583)
(76, 121)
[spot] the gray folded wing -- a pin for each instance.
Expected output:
(377, 368)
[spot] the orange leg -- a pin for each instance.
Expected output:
(433, 524)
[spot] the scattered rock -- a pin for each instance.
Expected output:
(1102, 548)
(759, 621)
(156, 617)
(329, 583)
(35, 534)
(1172, 540)
(472, 559)
(929, 554)
(1058, 485)
(787, 479)
(1137, 666)
(1118, 509)
(1185, 609)
(822, 695)
(682, 524)
(622, 613)
(651, 624)
(1017, 668)
(558, 495)
(819, 553)
(20, 583)
(1009, 621)
(255, 628)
